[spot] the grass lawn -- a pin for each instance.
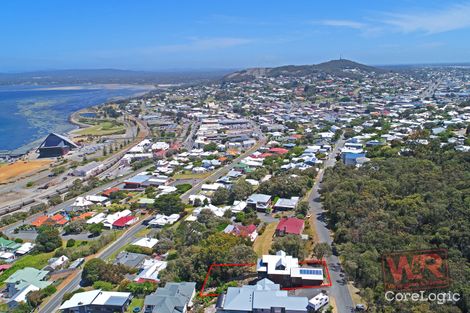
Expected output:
(37, 261)
(136, 302)
(144, 232)
(263, 242)
(115, 253)
(103, 129)
(190, 175)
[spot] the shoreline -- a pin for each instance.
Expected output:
(72, 120)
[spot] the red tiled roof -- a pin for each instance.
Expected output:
(291, 225)
(265, 155)
(244, 231)
(159, 152)
(279, 150)
(175, 146)
(109, 191)
(123, 221)
(39, 220)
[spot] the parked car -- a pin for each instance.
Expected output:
(360, 308)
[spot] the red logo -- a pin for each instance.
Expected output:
(416, 269)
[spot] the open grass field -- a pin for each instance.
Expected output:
(102, 129)
(18, 168)
(190, 175)
(263, 242)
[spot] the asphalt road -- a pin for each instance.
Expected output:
(55, 301)
(339, 289)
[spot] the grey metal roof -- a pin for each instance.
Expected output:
(130, 259)
(172, 298)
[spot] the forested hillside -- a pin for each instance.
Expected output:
(417, 201)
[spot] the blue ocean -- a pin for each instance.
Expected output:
(28, 113)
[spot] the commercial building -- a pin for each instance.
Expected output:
(55, 145)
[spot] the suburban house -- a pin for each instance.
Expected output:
(242, 231)
(284, 204)
(174, 297)
(55, 145)
(290, 225)
(265, 296)
(286, 271)
(146, 242)
(259, 202)
(130, 259)
(350, 157)
(161, 220)
(150, 270)
(125, 221)
(25, 277)
(57, 263)
(97, 301)
(8, 245)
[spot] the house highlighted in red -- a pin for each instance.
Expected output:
(290, 225)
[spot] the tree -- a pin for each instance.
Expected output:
(169, 204)
(92, 271)
(240, 190)
(70, 243)
(98, 270)
(55, 200)
(286, 186)
(95, 229)
(220, 196)
(103, 285)
(290, 244)
(140, 289)
(302, 208)
(321, 250)
(75, 227)
(258, 174)
(48, 239)
(210, 147)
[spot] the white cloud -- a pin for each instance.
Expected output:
(451, 18)
(342, 23)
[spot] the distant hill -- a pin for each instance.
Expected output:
(341, 67)
(108, 76)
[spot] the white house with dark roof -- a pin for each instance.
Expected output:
(285, 270)
(97, 301)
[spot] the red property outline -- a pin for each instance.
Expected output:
(406, 287)
(322, 262)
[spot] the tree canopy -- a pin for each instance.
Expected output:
(418, 201)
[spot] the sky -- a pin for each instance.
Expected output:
(221, 34)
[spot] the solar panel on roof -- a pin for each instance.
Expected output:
(310, 272)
